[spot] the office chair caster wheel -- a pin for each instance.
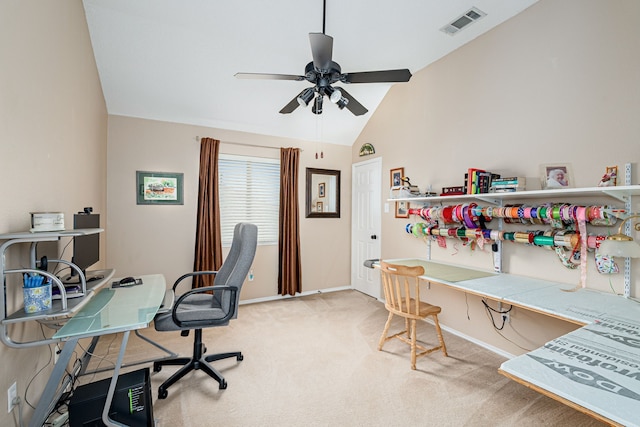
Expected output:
(162, 393)
(157, 367)
(223, 385)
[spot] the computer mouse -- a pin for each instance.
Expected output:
(127, 281)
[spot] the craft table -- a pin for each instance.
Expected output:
(595, 369)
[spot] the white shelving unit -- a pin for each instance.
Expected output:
(62, 308)
(623, 193)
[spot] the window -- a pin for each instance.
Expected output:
(249, 190)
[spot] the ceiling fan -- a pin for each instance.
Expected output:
(323, 72)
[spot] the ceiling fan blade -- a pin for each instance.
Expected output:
(264, 76)
(292, 105)
(354, 106)
(321, 50)
(386, 76)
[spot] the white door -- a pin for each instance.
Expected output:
(365, 225)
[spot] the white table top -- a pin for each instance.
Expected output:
(596, 367)
(556, 299)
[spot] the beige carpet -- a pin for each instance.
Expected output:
(313, 361)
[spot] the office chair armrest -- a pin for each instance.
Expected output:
(193, 273)
(230, 310)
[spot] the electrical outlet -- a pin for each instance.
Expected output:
(56, 353)
(12, 394)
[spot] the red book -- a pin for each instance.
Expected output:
(472, 180)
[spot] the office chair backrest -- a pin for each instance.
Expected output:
(248, 241)
(229, 263)
(238, 262)
(401, 288)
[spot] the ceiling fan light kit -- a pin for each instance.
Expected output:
(323, 72)
(317, 106)
(305, 97)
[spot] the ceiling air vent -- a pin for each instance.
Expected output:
(462, 21)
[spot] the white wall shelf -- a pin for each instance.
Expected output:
(621, 193)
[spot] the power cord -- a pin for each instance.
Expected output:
(18, 402)
(466, 301)
(102, 358)
(491, 310)
(497, 330)
(26, 390)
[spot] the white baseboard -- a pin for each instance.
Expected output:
(301, 294)
(475, 341)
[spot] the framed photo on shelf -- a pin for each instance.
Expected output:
(610, 177)
(402, 209)
(159, 188)
(554, 176)
(396, 176)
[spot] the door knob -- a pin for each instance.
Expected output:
(374, 237)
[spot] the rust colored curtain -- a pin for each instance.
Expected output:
(208, 251)
(289, 267)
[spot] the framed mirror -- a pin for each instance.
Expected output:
(323, 193)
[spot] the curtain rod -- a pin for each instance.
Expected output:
(246, 145)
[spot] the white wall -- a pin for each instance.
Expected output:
(53, 137)
(556, 84)
(160, 238)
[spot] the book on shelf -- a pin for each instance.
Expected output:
(485, 180)
(511, 180)
(471, 180)
(519, 187)
(505, 190)
(477, 181)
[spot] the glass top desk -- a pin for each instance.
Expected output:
(111, 310)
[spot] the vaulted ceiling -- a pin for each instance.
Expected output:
(175, 60)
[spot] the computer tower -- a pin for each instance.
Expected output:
(131, 404)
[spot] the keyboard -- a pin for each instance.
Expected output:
(71, 290)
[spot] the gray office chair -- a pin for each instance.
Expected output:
(208, 307)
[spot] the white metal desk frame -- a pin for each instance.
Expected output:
(110, 311)
(61, 309)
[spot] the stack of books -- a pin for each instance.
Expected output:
(477, 181)
(507, 185)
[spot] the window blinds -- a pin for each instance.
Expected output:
(249, 190)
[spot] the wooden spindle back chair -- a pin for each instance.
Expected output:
(402, 298)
